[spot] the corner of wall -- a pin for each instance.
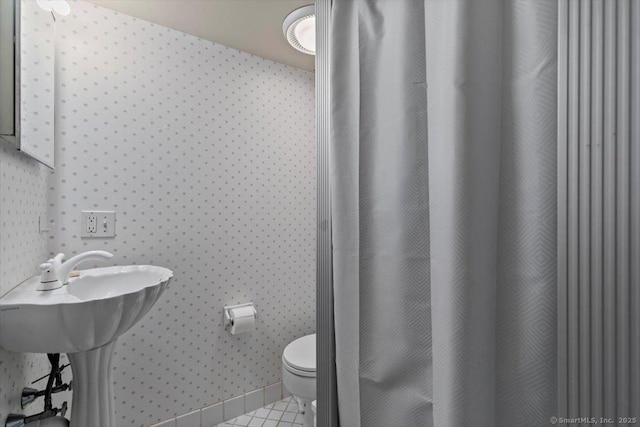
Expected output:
(23, 185)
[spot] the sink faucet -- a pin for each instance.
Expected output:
(63, 270)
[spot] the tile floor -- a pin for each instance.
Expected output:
(280, 414)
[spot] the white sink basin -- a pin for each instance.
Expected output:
(84, 320)
(89, 312)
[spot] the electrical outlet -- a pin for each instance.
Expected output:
(92, 221)
(98, 224)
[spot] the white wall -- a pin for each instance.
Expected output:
(207, 155)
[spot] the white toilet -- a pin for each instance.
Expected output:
(299, 373)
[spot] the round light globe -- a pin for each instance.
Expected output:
(299, 28)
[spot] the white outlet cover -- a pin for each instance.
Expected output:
(105, 224)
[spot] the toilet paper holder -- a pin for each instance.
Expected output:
(228, 319)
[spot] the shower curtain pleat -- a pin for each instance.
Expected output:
(584, 202)
(599, 217)
(381, 237)
(622, 209)
(609, 217)
(574, 208)
(491, 74)
(595, 395)
(526, 321)
(345, 116)
(634, 232)
(464, 80)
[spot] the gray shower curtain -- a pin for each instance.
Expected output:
(443, 170)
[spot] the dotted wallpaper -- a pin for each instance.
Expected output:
(22, 201)
(207, 155)
(23, 184)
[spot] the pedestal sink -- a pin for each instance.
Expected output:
(83, 319)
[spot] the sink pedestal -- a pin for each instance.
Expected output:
(92, 387)
(82, 319)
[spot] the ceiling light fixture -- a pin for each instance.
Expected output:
(299, 28)
(61, 7)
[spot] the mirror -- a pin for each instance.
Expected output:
(27, 78)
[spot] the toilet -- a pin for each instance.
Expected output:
(299, 373)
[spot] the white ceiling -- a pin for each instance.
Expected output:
(253, 26)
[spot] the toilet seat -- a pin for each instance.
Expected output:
(299, 357)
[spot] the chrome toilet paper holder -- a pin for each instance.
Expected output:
(228, 319)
